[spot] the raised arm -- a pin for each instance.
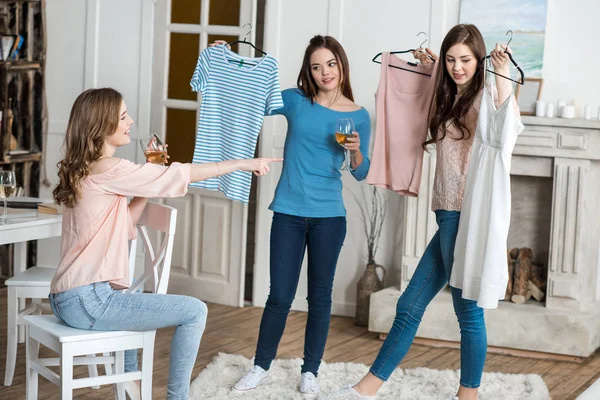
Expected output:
(501, 63)
(198, 172)
(260, 167)
(150, 180)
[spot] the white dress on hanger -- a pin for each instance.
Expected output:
(480, 268)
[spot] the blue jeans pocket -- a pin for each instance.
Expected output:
(73, 313)
(79, 307)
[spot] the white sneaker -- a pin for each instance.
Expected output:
(309, 387)
(251, 380)
(346, 393)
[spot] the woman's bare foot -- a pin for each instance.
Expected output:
(465, 393)
(369, 385)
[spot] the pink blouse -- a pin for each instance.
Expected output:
(97, 230)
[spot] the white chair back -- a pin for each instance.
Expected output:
(74, 345)
(161, 219)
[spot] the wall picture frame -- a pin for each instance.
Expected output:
(525, 18)
(528, 93)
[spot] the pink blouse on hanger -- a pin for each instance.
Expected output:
(403, 99)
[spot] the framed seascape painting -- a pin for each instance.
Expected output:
(526, 19)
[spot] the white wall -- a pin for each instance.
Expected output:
(95, 43)
(571, 55)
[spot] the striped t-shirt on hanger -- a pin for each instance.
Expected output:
(237, 92)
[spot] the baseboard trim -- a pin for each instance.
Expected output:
(500, 350)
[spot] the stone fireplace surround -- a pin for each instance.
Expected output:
(553, 156)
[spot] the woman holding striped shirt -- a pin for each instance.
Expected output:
(309, 213)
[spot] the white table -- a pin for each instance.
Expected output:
(20, 230)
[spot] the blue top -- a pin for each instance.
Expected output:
(311, 181)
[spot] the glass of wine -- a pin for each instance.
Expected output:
(7, 189)
(154, 150)
(343, 130)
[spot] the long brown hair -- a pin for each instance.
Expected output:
(94, 117)
(305, 80)
(444, 109)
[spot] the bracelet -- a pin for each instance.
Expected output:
(218, 172)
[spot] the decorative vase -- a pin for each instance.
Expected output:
(368, 283)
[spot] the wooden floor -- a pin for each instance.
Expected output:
(234, 330)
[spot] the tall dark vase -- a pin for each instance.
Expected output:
(368, 283)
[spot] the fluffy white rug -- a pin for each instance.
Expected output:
(218, 377)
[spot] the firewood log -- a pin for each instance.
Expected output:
(511, 267)
(522, 273)
(539, 276)
(514, 253)
(536, 293)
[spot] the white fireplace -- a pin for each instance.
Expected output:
(555, 180)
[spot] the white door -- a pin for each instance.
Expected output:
(210, 243)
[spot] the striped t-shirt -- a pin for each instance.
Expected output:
(237, 92)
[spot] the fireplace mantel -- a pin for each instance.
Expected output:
(567, 152)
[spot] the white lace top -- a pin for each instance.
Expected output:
(452, 163)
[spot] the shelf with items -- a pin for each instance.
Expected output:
(22, 102)
(24, 21)
(22, 110)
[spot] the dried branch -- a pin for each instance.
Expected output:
(372, 211)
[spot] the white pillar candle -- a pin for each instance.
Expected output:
(587, 112)
(540, 108)
(550, 110)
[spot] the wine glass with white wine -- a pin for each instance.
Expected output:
(7, 189)
(344, 130)
(154, 150)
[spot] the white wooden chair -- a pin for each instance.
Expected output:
(34, 284)
(73, 345)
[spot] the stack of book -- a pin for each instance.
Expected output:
(49, 208)
(45, 206)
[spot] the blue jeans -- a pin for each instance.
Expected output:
(290, 237)
(431, 275)
(100, 308)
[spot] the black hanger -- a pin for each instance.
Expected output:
(511, 60)
(243, 41)
(405, 51)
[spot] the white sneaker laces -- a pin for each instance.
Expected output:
(309, 383)
(251, 379)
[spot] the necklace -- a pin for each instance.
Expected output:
(335, 100)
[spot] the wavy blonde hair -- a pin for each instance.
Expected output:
(94, 117)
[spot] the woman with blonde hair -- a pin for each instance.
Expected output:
(98, 221)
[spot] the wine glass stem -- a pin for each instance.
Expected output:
(347, 156)
(4, 213)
